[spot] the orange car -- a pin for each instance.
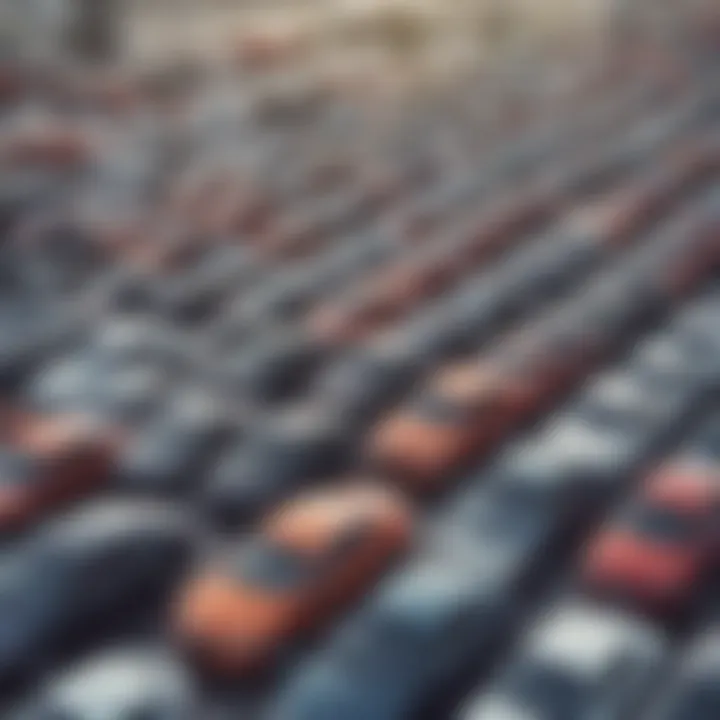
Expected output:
(460, 415)
(312, 556)
(660, 546)
(468, 408)
(49, 461)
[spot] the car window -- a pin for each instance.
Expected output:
(272, 566)
(659, 523)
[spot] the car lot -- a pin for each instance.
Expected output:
(313, 417)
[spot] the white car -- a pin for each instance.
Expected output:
(579, 663)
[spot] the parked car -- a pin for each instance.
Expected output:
(123, 681)
(70, 580)
(306, 443)
(577, 661)
(309, 558)
(659, 548)
(177, 447)
(50, 461)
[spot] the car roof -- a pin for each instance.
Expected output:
(314, 520)
(569, 442)
(586, 640)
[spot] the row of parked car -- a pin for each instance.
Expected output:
(307, 420)
(493, 543)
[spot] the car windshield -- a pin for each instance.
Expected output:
(272, 566)
(660, 523)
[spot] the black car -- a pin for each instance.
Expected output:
(305, 444)
(70, 579)
(172, 452)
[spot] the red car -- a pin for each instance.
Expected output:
(49, 461)
(658, 549)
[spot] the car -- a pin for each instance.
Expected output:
(692, 692)
(667, 359)
(466, 409)
(171, 453)
(401, 288)
(122, 681)
(69, 383)
(550, 263)
(426, 625)
(363, 383)
(444, 424)
(346, 320)
(658, 548)
(431, 435)
(293, 291)
(86, 382)
(620, 216)
(69, 580)
(274, 367)
(626, 397)
(580, 457)
(194, 296)
(305, 444)
(128, 395)
(36, 327)
(410, 282)
(309, 557)
(132, 338)
(577, 661)
(57, 254)
(50, 461)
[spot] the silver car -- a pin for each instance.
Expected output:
(579, 663)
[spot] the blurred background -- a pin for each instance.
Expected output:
(440, 36)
